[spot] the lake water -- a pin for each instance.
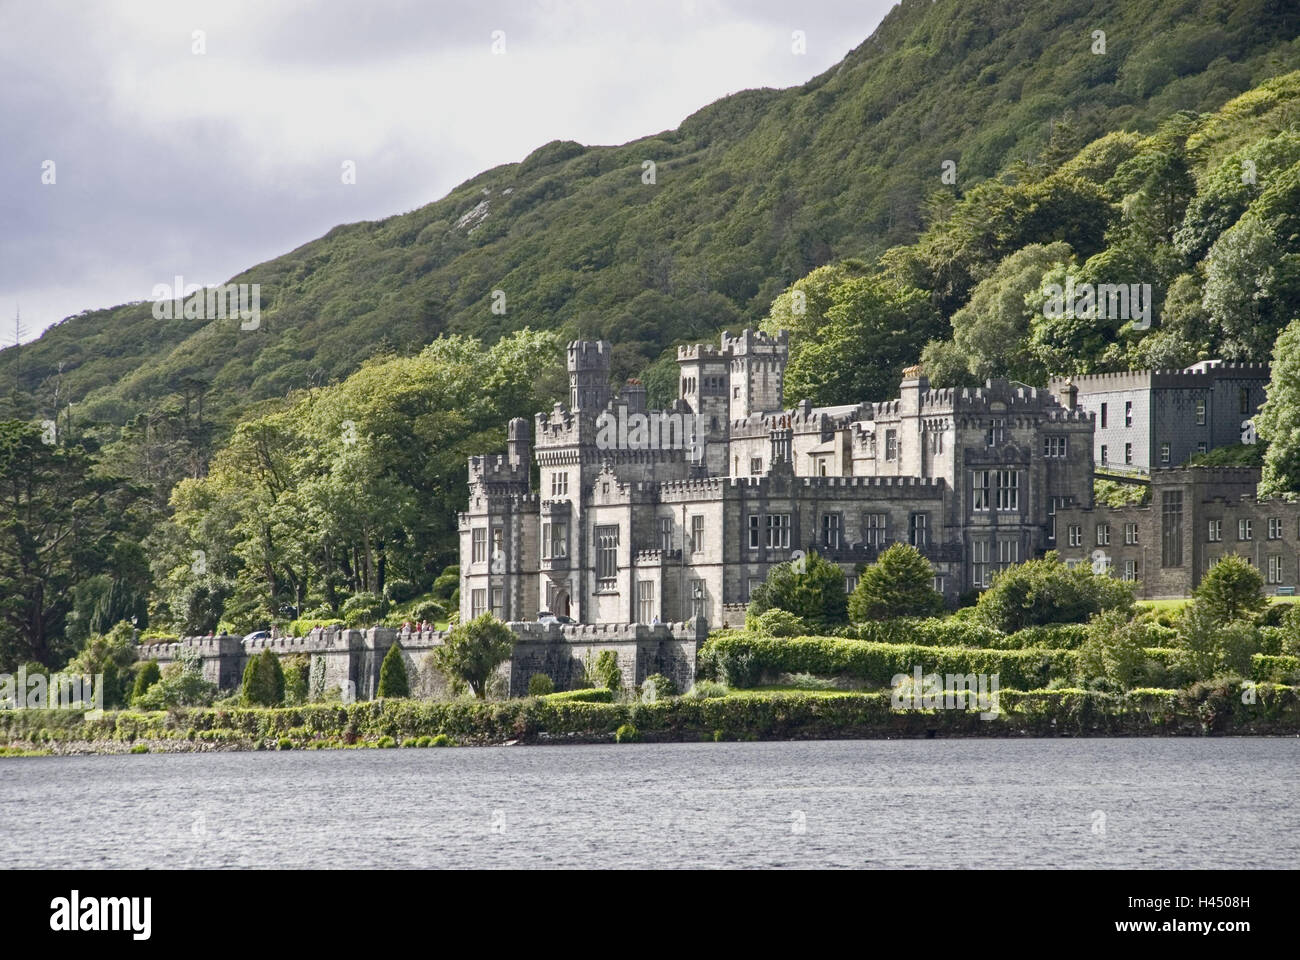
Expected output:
(871, 803)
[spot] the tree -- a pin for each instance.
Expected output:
(1209, 645)
(776, 623)
(473, 651)
(182, 684)
(1044, 591)
(263, 684)
(811, 588)
(1232, 589)
(112, 655)
(1278, 417)
(392, 674)
(899, 584)
(1114, 653)
(145, 677)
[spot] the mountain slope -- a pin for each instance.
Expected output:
(750, 193)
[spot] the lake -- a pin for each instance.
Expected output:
(1179, 803)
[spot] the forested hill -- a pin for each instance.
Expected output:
(750, 193)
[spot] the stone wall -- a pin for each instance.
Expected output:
(349, 660)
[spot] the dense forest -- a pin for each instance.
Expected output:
(913, 202)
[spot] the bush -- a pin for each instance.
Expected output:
(392, 674)
(899, 584)
(593, 695)
(1209, 646)
(385, 742)
(181, 685)
(811, 588)
(297, 679)
(303, 627)
(1232, 589)
(707, 690)
(1113, 656)
(738, 667)
(363, 608)
(656, 687)
(430, 610)
(605, 672)
(442, 740)
(1045, 591)
(626, 734)
(447, 583)
(776, 623)
(539, 685)
(145, 677)
(400, 591)
(263, 684)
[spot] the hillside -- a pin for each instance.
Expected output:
(751, 193)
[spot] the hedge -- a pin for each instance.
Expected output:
(951, 632)
(591, 695)
(878, 663)
(1206, 708)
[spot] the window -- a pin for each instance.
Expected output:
(1008, 488)
(753, 531)
(1130, 570)
(981, 498)
(1274, 569)
(1243, 400)
(1171, 528)
(831, 530)
(665, 533)
(1130, 533)
(755, 465)
(1008, 553)
(560, 483)
(1103, 534)
(780, 450)
(1128, 413)
(1245, 529)
(1054, 448)
(1128, 453)
(1275, 528)
(850, 583)
(1076, 534)
(1054, 504)
(874, 526)
(645, 601)
(607, 552)
(699, 602)
(891, 444)
(477, 603)
(1202, 446)
(778, 531)
(821, 466)
(996, 430)
(1164, 452)
(499, 602)
(555, 541)
(1200, 412)
(980, 563)
(918, 529)
(1216, 531)
(1104, 457)
(937, 583)
(697, 534)
(479, 552)
(497, 535)
(754, 584)
(1103, 416)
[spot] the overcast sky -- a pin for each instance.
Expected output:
(168, 161)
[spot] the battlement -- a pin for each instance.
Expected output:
(699, 351)
(590, 355)
(756, 342)
(1201, 374)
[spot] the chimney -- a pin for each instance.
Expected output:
(518, 444)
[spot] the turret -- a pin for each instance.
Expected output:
(589, 375)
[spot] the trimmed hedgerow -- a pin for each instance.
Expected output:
(878, 663)
(592, 695)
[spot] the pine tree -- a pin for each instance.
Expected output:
(392, 674)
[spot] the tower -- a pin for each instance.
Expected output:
(757, 364)
(589, 376)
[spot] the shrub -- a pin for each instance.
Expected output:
(385, 742)
(263, 684)
(145, 677)
(447, 583)
(430, 610)
(1046, 591)
(303, 627)
(539, 685)
(181, 684)
(284, 743)
(473, 651)
(1113, 656)
(899, 584)
(738, 667)
(140, 748)
(400, 591)
(593, 695)
(1232, 589)
(442, 740)
(656, 687)
(363, 608)
(392, 674)
(626, 734)
(297, 679)
(707, 690)
(811, 588)
(1209, 646)
(776, 623)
